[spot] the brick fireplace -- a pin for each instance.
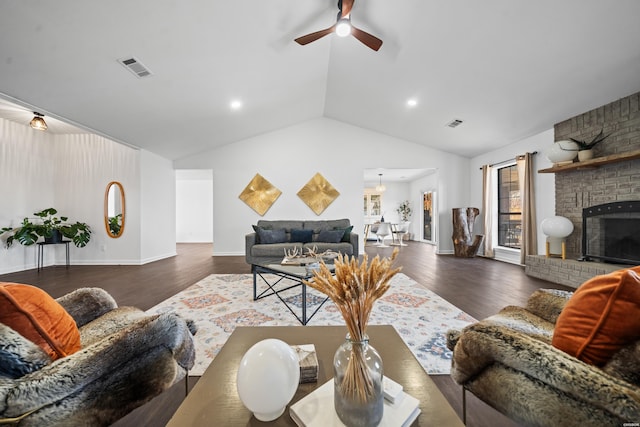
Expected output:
(576, 189)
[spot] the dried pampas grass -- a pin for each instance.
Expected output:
(354, 288)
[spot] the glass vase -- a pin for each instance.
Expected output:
(358, 394)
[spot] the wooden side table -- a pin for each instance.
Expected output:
(41, 246)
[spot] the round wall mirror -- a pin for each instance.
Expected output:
(114, 212)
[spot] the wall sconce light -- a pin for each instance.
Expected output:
(38, 122)
(380, 187)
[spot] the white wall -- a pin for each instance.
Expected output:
(85, 165)
(27, 171)
(158, 213)
(70, 173)
(288, 158)
(194, 206)
(544, 183)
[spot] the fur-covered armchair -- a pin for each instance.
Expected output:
(126, 357)
(509, 362)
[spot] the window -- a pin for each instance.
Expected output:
(509, 208)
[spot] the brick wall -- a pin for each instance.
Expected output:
(579, 189)
(567, 272)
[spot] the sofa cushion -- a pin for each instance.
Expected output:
(38, 317)
(255, 229)
(346, 237)
(274, 250)
(318, 225)
(18, 355)
(330, 236)
(287, 225)
(301, 236)
(597, 321)
(625, 364)
(272, 236)
(319, 247)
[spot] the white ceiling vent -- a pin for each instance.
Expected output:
(135, 66)
(454, 123)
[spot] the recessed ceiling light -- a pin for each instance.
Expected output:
(236, 104)
(412, 102)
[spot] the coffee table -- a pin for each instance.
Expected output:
(295, 273)
(214, 399)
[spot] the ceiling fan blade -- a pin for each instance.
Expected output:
(347, 5)
(315, 36)
(365, 38)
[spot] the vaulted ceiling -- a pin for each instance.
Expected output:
(507, 68)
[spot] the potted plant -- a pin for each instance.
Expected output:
(115, 224)
(584, 147)
(49, 226)
(404, 210)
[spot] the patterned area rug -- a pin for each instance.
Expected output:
(221, 302)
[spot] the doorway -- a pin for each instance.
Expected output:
(194, 206)
(429, 219)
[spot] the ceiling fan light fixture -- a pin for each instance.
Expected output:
(343, 27)
(38, 122)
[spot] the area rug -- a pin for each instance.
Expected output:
(220, 302)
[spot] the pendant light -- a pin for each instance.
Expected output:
(38, 122)
(380, 187)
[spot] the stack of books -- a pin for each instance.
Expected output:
(317, 410)
(308, 362)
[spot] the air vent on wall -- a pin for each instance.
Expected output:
(135, 66)
(454, 123)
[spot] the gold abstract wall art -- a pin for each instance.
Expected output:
(318, 193)
(259, 194)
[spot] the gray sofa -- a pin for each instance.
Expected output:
(278, 236)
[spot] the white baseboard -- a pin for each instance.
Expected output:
(511, 256)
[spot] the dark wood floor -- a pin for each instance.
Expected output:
(478, 286)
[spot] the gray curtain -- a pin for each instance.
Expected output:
(487, 210)
(527, 199)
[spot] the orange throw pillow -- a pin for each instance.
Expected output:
(35, 315)
(601, 317)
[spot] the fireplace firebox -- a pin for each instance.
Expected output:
(611, 233)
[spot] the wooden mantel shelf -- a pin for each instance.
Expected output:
(593, 163)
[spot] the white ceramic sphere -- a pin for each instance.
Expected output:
(557, 226)
(562, 151)
(268, 377)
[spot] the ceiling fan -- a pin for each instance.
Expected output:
(343, 28)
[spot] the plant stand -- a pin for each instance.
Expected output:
(41, 246)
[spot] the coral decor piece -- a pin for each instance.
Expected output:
(318, 193)
(260, 194)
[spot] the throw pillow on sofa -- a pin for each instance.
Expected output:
(272, 236)
(301, 236)
(346, 237)
(35, 315)
(601, 317)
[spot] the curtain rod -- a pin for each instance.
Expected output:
(497, 163)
